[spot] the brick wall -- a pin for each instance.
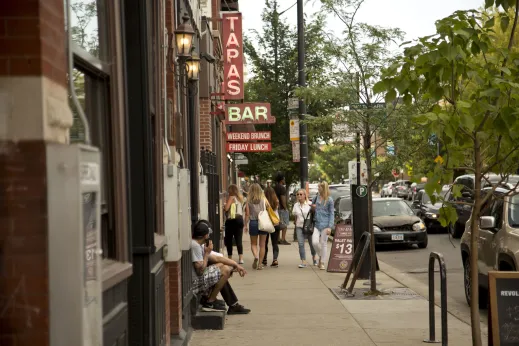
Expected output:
(206, 124)
(32, 39)
(175, 297)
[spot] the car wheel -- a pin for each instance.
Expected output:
(467, 283)
(455, 230)
(423, 244)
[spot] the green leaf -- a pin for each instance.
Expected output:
(464, 104)
(505, 21)
(506, 70)
(467, 120)
(380, 86)
(501, 126)
(390, 96)
(474, 48)
(422, 60)
(489, 3)
(448, 215)
(491, 92)
(408, 99)
(456, 190)
(490, 23)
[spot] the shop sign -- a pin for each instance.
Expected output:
(341, 254)
(249, 136)
(248, 147)
(233, 56)
(248, 113)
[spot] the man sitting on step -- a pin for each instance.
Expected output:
(211, 273)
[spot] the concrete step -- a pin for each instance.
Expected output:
(208, 320)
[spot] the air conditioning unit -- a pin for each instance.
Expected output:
(184, 209)
(171, 211)
(204, 198)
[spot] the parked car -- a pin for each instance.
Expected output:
(387, 190)
(401, 188)
(468, 183)
(338, 190)
(313, 190)
(413, 190)
(498, 241)
(427, 211)
(394, 222)
(343, 209)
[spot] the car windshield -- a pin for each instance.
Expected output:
(338, 191)
(513, 211)
(391, 208)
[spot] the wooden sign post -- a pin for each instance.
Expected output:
(341, 254)
(504, 308)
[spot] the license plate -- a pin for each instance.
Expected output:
(397, 237)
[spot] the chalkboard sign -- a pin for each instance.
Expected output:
(341, 253)
(504, 308)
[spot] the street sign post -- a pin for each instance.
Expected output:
(359, 201)
(341, 253)
(359, 106)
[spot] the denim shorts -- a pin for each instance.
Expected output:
(284, 218)
(254, 228)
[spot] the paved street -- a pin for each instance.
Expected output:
(411, 265)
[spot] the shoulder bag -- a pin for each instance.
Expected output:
(272, 214)
(264, 222)
(308, 222)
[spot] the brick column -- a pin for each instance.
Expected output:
(33, 112)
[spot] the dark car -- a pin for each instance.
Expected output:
(394, 222)
(427, 211)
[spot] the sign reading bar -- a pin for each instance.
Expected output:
(233, 56)
(504, 308)
(341, 254)
(248, 113)
(294, 129)
(248, 147)
(249, 136)
(296, 157)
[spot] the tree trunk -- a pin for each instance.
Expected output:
(367, 154)
(474, 236)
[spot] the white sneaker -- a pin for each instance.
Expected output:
(321, 266)
(302, 265)
(241, 262)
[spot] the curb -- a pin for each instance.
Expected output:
(423, 290)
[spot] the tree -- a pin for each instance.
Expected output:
(358, 53)
(332, 161)
(272, 57)
(469, 75)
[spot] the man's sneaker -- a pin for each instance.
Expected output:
(237, 309)
(212, 306)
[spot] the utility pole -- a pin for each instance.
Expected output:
(303, 140)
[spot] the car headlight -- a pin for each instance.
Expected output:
(376, 229)
(431, 215)
(419, 226)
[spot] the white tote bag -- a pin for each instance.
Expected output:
(264, 222)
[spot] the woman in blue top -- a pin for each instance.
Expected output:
(324, 218)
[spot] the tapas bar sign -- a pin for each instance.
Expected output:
(233, 56)
(249, 136)
(248, 147)
(248, 113)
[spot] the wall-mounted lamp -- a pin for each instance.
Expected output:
(184, 37)
(193, 67)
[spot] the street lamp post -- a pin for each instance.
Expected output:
(303, 140)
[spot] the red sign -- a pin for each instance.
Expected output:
(248, 147)
(249, 136)
(233, 56)
(341, 254)
(248, 113)
(395, 173)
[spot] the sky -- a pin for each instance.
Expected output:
(415, 17)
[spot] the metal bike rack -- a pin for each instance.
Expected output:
(358, 259)
(443, 277)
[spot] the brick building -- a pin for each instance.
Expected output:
(104, 131)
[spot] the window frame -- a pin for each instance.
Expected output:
(107, 73)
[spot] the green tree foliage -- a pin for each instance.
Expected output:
(468, 73)
(332, 161)
(272, 59)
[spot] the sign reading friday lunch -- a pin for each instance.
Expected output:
(248, 113)
(248, 147)
(233, 56)
(249, 136)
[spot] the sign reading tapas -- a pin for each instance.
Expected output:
(233, 56)
(248, 113)
(248, 147)
(249, 136)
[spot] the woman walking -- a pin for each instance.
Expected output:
(270, 194)
(234, 222)
(324, 217)
(302, 211)
(255, 203)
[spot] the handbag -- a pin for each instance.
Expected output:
(264, 222)
(308, 222)
(272, 214)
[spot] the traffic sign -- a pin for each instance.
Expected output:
(294, 129)
(361, 190)
(352, 172)
(293, 103)
(395, 173)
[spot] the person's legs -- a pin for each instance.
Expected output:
(227, 239)
(315, 241)
(262, 240)
(301, 242)
(225, 272)
(323, 246)
(285, 220)
(228, 294)
(312, 250)
(275, 247)
(264, 261)
(254, 245)
(238, 236)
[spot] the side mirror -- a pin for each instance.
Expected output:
(487, 222)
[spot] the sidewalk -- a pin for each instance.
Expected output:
(292, 306)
